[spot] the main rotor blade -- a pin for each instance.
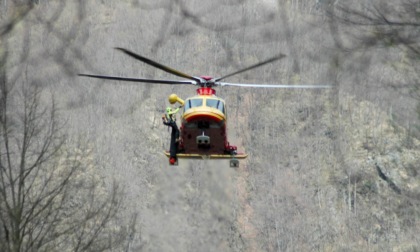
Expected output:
(272, 86)
(158, 65)
(137, 79)
(253, 66)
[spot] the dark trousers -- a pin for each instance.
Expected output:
(173, 148)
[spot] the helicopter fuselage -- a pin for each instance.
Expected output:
(203, 128)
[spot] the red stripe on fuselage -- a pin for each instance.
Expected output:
(203, 117)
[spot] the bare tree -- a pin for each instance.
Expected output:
(381, 24)
(51, 197)
(391, 31)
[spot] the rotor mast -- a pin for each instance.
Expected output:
(206, 86)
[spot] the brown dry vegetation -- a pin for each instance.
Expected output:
(328, 170)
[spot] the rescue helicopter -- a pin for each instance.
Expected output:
(203, 130)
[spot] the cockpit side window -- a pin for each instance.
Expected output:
(221, 106)
(211, 103)
(192, 103)
(215, 104)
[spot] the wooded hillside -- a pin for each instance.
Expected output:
(82, 163)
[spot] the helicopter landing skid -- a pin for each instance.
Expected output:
(234, 159)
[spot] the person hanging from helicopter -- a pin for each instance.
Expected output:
(169, 119)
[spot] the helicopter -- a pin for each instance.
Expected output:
(203, 130)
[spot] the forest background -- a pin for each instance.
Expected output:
(81, 161)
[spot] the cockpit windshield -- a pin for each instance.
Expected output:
(214, 103)
(192, 103)
(198, 102)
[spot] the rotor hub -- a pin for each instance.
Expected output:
(206, 81)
